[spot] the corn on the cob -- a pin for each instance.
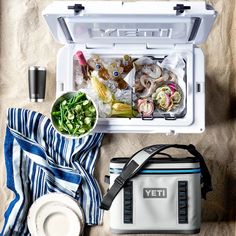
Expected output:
(122, 110)
(121, 106)
(103, 92)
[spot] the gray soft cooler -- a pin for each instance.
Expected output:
(157, 195)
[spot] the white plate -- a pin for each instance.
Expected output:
(55, 214)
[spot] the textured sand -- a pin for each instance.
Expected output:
(25, 40)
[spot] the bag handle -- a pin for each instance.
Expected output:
(140, 158)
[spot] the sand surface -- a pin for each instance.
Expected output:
(25, 40)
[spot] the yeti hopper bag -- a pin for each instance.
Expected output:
(160, 194)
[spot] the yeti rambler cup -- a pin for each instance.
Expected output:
(37, 83)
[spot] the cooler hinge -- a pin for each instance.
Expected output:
(117, 46)
(140, 46)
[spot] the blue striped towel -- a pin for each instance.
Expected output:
(40, 161)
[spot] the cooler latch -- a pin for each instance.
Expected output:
(77, 8)
(169, 117)
(180, 8)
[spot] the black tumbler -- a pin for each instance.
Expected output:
(37, 83)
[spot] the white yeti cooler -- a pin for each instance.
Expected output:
(115, 28)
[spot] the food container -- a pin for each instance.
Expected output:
(112, 29)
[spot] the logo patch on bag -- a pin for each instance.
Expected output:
(154, 193)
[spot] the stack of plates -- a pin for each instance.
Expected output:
(55, 214)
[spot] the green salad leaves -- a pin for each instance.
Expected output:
(75, 116)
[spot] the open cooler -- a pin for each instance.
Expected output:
(153, 35)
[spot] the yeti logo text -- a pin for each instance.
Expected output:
(106, 33)
(155, 193)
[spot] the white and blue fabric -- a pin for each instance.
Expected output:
(40, 161)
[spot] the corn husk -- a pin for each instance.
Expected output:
(122, 110)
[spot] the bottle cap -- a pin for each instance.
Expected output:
(81, 58)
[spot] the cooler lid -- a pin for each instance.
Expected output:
(107, 22)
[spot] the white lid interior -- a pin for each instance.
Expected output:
(130, 22)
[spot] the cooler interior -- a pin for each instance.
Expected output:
(144, 84)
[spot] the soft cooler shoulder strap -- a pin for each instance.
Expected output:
(140, 158)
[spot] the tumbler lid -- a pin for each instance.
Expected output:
(37, 68)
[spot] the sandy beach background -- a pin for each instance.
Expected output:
(25, 40)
